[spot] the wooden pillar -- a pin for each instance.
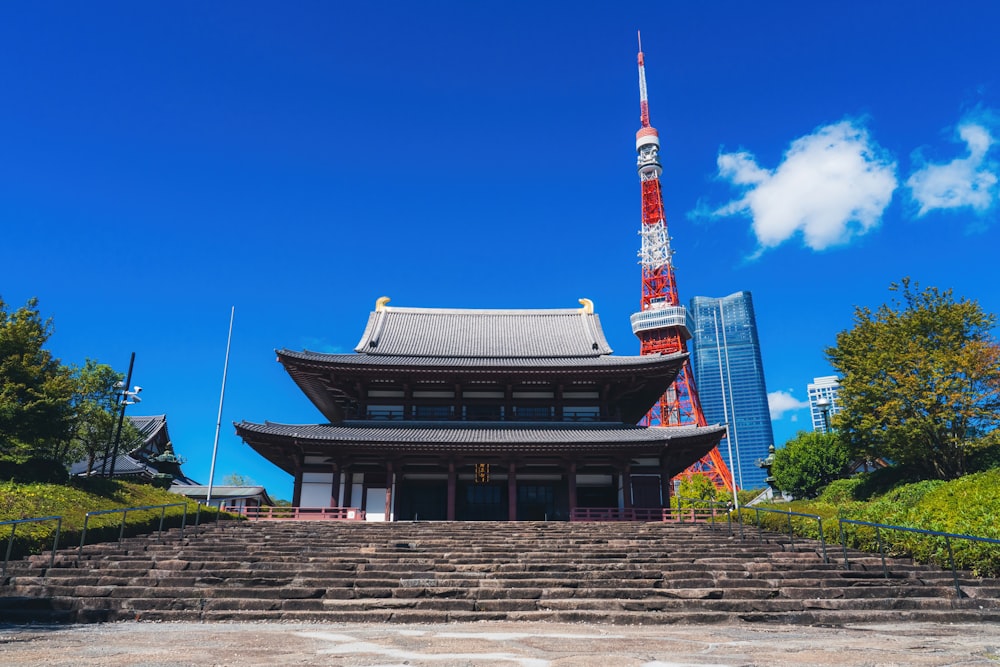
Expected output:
(572, 487)
(335, 487)
(452, 483)
(627, 486)
(297, 484)
(348, 478)
(512, 491)
(388, 490)
(665, 482)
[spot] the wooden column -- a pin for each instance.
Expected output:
(665, 482)
(512, 492)
(452, 483)
(572, 487)
(627, 486)
(335, 487)
(348, 478)
(297, 484)
(388, 490)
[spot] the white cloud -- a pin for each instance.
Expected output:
(831, 185)
(780, 402)
(966, 182)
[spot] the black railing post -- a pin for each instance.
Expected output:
(10, 545)
(951, 561)
(881, 550)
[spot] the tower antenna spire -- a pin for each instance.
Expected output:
(643, 99)
(662, 322)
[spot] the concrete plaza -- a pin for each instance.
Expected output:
(499, 644)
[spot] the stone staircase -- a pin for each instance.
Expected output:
(630, 573)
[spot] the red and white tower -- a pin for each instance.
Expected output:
(662, 323)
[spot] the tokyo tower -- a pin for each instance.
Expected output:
(662, 322)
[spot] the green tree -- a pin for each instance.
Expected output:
(920, 380)
(36, 390)
(238, 479)
(95, 403)
(808, 462)
(696, 487)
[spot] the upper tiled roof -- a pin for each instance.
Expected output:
(598, 362)
(496, 334)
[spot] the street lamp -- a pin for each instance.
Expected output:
(824, 407)
(127, 398)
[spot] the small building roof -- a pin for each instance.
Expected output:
(200, 492)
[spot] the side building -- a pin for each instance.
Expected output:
(729, 375)
(453, 414)
(823, 404)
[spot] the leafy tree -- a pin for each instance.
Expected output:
(695, 487)
(36, 390)
(96, 412)
(808, 462)
(237, 479)
(920, 380)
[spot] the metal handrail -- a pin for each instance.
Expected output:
(791, 533)
(124, 512)
(935, 533)
(712, 504)
(13, 527)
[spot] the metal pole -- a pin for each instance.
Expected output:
(732, 404)
(725, 409)
(121, 415)
(222, 397)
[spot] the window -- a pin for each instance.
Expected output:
(385, 412)
(533, 412)
(588, 413)
(432, 411)
(484, 412)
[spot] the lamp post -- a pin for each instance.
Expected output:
(824, 407)
(127, 398)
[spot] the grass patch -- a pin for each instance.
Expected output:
(969, 505)
(73, 501)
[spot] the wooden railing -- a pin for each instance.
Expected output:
(301, 513)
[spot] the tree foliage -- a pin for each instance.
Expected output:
(36, 390)
(96, 412)
(694, 488)
(50, 412)
(920, 380)
(808, 462)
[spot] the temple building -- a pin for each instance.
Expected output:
(455, 414)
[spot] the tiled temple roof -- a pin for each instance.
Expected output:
(483, 334)
(572, 434)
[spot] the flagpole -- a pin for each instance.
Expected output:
(222, 397)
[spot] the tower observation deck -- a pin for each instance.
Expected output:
(663, 324)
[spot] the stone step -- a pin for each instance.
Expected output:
(634, 573)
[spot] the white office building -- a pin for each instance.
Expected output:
(823, 401)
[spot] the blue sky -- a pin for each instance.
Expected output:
(163, 162)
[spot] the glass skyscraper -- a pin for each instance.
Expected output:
(729, 376)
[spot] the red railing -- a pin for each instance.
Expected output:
(301, 513)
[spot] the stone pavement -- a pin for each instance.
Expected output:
(500, 644)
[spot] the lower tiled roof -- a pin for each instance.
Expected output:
(541, 433)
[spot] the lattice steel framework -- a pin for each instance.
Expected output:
(662, 323)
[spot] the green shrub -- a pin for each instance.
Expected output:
(969, 505)
(73, 501)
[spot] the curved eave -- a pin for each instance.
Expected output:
(409, 364)
(330, 380)
(281, 443)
